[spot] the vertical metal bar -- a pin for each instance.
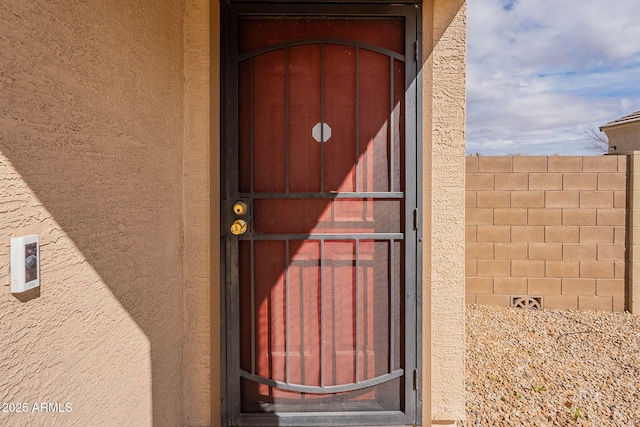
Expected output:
(251, 125)
(334, 352)
(322, 312)
(357, 115)
(392, 303)
(286, 120)
(365, 321)
(392, 124)
(301, 322)
(253, 308)
(287, 316)
(357, 314)
(322, 117)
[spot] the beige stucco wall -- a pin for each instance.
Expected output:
(91, 132)
(199, 302)
(444, 145)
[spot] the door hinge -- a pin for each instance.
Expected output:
(416, 219)
(416, 379)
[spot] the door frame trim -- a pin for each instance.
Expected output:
(413, 230)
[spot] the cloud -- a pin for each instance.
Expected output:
(540, 73)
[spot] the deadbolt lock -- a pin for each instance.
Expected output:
(240, 208)
(238, 227)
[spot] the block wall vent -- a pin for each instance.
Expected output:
(526, 301)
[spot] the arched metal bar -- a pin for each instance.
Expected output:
(328, 389)
(324, 40)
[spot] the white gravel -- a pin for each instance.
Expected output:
(552, 368)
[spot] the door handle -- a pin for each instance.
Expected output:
(238, 227)
(240, 224)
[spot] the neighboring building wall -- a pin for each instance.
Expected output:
(547, 226)
(91, 157)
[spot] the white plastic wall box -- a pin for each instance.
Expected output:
(25, 263)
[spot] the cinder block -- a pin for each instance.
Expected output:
(579, 216)
(562, 199)
(544, 216)
(511, 251)
(620, 269)
(564, 164)
(545, 181)
(580, 181)
(612, 181)
(527, 199)
(510, 285)
(549, 286)
(494, 164)
(611, 252)
(620, 199)
(579, 252)
(470, 199)
(471, 268)
(471, 164)
(470, 233)
(610, 287)
(545, 251)
(479, 181)
(622, 163)
(595, 303)
(600, 164)
(597, 269)
(512, 181)
(578, 287)
(560, 302)
(562, 269)
(562, 234)
(494, 269)
(495, 300)
(479, 251)
(510, 216)
(469, 298)
(479, 285)
(620, 235)
(596, 199)
(475, 216)
(597, 234)
(611, 217)
(527, 268)
(618, 303)
(493, 234)
(527, 234)
(529, 163)
(493, 199)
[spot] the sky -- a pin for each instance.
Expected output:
(542, 74)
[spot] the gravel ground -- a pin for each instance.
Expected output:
(552, 368)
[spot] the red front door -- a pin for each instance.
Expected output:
(319, 277)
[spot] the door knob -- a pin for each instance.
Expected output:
(238, 227)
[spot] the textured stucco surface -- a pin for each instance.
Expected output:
(444, 186)
(91, 131)
(196, 304)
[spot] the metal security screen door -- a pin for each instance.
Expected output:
(319, 216)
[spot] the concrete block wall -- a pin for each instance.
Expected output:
(551, 227)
